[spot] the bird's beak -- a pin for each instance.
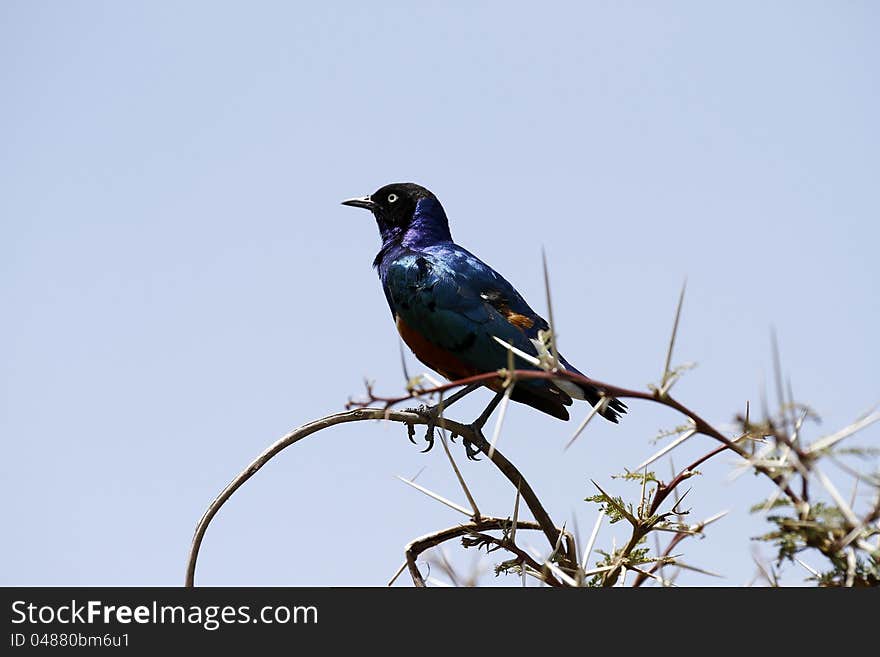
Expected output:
(360, 202)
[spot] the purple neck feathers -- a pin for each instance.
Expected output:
(429, 226)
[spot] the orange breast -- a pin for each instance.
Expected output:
(435, 357)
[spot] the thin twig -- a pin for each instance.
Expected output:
(553, 350)
(458, 474)
(588, 549)
(435, 496)
(665, 450)
(666, 366)
(397, 574)
(502, 412)
(600, 406)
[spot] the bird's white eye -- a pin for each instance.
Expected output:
(392, 198)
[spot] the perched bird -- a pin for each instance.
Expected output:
(448, 304)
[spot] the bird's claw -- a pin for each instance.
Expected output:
(470, 449)
(429, 438)
(430, 414)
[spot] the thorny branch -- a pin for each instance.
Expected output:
(700, 425)
(476, 438)
(784, 457)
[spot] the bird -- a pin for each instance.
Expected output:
(451, 309)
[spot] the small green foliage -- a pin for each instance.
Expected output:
(640, 477)
(598, 579)
(823, 528)
(762, 506)
(639, 555)
(787, 544)
(670, 377)
(611, 506)
(865, 573)
(676, 431)
(827, 514)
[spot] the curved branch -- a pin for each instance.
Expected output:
(359, 415)
(419, 545)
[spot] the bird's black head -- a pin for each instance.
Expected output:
(393, 205)
(399, 207)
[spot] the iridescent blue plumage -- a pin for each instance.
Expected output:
(449, 305)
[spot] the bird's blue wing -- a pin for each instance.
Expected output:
(450, 306)
(457, 302)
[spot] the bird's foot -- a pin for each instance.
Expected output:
(430, 414)
(470, 449)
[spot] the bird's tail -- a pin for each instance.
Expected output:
(614, 408)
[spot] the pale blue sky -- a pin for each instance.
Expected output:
(181, 286)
